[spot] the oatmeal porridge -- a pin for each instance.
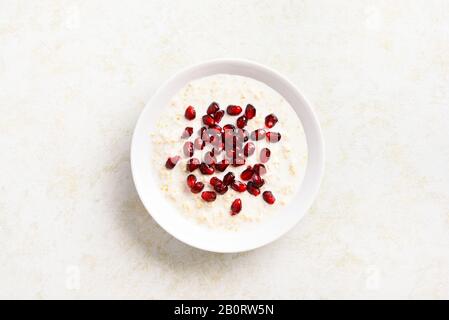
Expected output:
(229, 151)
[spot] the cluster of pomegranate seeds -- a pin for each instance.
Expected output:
(234, 141)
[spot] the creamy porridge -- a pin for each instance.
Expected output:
(277, 159)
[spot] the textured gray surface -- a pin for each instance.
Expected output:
(75, 75)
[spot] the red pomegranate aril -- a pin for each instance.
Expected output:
(199, 144)
(219, 115)
(271, 120)
(242, 121)
(258, 134)
(172, 161)
(209, 196)
(236, 207)
(234, 110)
(247, 174)
(249, 149)
(206, 169)
(188, 149)
(197, 187)
(191, 180)
(213, 107)
(192, 164)
(265, 154)
(238, 186)
(258, 181)
(252, 189)
(190, 113)
(269, 197)
(209, 158)
(229, 127)
(221, 188)
(259, 169)
(250, 111)
(188, 131)
(222, 165)
(208, 120)
(273, 137)
(228, 179)
(214, 180)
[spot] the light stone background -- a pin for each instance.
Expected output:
(74, 76)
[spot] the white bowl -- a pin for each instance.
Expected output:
(188, 231)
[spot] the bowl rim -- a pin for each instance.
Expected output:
(314, 129)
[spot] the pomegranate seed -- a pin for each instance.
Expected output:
(208, 120)
(252, 189)
(271, 120)
(250, 111)
(188, 149)
(199, 144)
(273, 136)
(209, 196)
(188, 131)
(190, 113)
(220, 188)
(259, 169)
(258, 181)
(258, 134)
(172, 161)
(238, 186)
(218, 116)
(191, 180)
(197, 187)
(249, 149)
(228, 178)
(213, 107)
(268, 197)
(214, 181)
(206, 169)
(236, 207)
(193, 164)
(265, 154)
(229, 127)
(222, 165)
(247, 174)
(234, 110)
(242, 121)
(209, 158)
